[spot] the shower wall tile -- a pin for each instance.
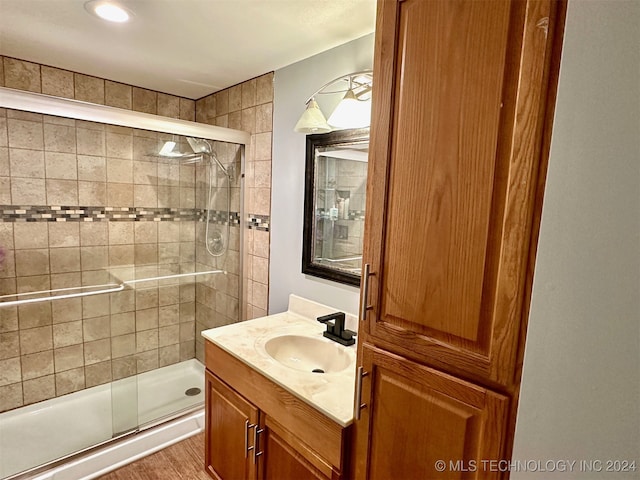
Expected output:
(59, 138)
(66, 358)
(144, 100)
(39, 389)
(69, 381)
(63, 166)
(34, 340)
(22, 75)
(249, 91)
(187, 109)
(9, 345)
(89, 89)
(57, 82)
(11, 396)
(1, 71)
(37, 365)
(118, 95)
(98, 374)
(168, 105)
(26, 163)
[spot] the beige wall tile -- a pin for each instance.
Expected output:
(119, 194)
(234, 120)
(249, 93)
(59, 138)
(119, 146)
(123, 367)
(146, 232)
(144, 100)
(168, 197)
(63, 260)
(10, 395)
(89, 89)
(124, 301)
(69, 381)
(34, 283)
(123, 323)
(97, 374)
(201, 111)
(168, 232)
(57, 82)
(146, 340)
(147, 298)
(97, 351)
(64, 234)
(35, 340)
(68, 333)
(262, 173)
(9, 345)
(95, 306)
(5, 191)
(92, 193)
(92, 168)
(187, 109)
(119, 170)
(62, 192)
(263, 146)
(28, 191)
(4, 156)
(39, 389)
(22, 75)
(120, 233)
(222, 102)
(70, 357)
(146, 254)
(32, 262)
(187, 331)
(67, 310)
(147, 361)
(145, 173)
(168, 174)
(37, 364)
(261, 243)
(260, 295)
(144, 147)
(26, 163)
(94, 233)
(145, 196)
(123, 345)
(6, 235)
(169, 335)
(264, 118)
(168, 355)
(118, 95)
(121, 255)
(61, 165)
(1, 71)
(10, 371)
(260, 269)
(30, 235)
(264, 88)
(96, 328)
(235, 98)
(146, 319)
(34, 315)
(168, 105)
(169, 315)
(91, 142)
(187, 351)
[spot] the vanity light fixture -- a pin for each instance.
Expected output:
(107, 10)
(353, 111)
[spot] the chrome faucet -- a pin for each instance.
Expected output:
(335, 329)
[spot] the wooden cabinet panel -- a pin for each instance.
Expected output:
(228, 433)
(460, 104)
(415, 416)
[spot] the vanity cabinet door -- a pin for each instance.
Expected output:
(230, 424)
(286, 458)
(416, 416)
(457, 154)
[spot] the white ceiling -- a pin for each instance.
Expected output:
(189, 48)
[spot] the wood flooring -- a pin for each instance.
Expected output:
(182, 461)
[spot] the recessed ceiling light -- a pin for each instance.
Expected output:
(109, 11)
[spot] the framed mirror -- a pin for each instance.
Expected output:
(334, 204)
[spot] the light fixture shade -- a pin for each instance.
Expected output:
(351, 113)
(312, 120)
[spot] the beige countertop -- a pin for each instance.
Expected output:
(330, 393)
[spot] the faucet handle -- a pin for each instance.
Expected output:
(348, 334)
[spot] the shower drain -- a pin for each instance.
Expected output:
(190, 392)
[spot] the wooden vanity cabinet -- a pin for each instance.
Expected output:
(256, 430)
(462, 112)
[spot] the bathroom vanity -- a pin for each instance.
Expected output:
(279, 397)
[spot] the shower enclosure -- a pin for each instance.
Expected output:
(120, 241)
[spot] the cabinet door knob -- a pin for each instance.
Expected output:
(364, 298)
(358, 405)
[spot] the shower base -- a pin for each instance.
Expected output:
(37, 434)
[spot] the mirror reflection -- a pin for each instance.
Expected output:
(336, 178)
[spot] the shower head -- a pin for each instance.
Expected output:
(199, 145)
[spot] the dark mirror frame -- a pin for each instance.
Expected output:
(339, 137)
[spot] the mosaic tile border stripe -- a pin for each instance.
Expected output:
(258, 222)
(54, 213)
(353, 214)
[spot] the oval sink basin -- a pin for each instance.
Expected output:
(308, 354)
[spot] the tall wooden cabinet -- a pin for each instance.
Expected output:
(463, 103)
